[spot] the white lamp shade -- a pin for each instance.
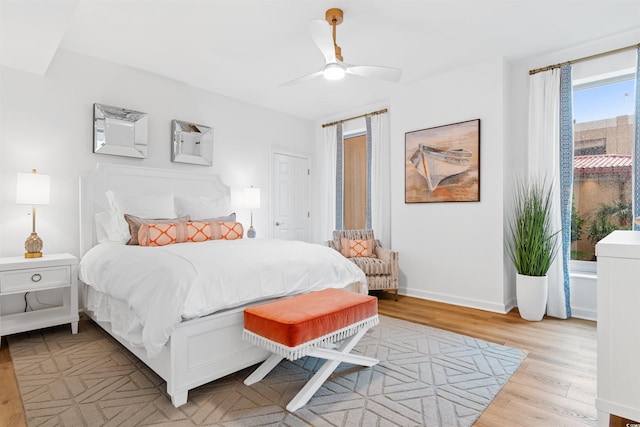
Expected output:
(33, 189)
(252, 198)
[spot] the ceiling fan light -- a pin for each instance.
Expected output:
(334, 71)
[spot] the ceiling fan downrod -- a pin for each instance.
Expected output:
(334, 17)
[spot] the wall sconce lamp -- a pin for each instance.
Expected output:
(33, 189)
(252, 201)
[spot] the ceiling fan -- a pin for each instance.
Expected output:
(335, 68)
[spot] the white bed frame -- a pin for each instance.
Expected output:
(194, 354)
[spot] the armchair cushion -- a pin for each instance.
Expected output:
(372, 266)
(355, 248)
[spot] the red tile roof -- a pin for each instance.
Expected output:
(602, 163)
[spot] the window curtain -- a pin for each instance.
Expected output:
(327, 162)
(566, 191)
(369, 138)
(378, 203)
(380, 177)
(550, 139)
(339, 178)
(636, 148)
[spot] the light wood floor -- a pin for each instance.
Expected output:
(554, 386)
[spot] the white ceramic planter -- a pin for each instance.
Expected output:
(531, 293)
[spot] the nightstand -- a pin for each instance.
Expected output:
(56, 271)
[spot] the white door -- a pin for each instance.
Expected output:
(290, 197)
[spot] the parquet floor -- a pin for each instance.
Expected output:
(554, 386)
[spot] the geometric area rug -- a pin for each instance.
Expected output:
(426, 376)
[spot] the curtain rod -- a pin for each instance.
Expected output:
(586, 58)
(355, 117)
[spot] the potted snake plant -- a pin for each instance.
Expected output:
(532, 244)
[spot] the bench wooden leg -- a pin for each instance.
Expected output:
(334, 359)
(333, 356)
(263, 369)
(356, 359)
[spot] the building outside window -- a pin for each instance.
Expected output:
(602, 175)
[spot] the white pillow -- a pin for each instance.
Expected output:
(157, 207)
(201, 207)
(107, 227)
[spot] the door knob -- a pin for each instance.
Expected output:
(279, 223)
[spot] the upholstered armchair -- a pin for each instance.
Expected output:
(359, 246)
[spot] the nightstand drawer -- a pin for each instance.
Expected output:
(32, 279)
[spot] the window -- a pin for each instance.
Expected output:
(603, 112)
(355, 176)
(355, 182)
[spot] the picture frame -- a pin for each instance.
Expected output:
(442, 163)
(119, 131)
(191, 143)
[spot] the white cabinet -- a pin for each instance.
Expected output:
(19, 275)
(618, 326)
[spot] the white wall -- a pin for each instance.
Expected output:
(584, 295)
(453, 252)
(47, 124)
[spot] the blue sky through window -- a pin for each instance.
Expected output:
(603, 102)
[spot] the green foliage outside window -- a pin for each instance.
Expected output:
(616, 216)
(577, 223)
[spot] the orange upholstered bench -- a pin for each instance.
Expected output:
(307, 325)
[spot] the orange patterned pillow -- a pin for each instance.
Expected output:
(135, 223)
(168, 233)
(150, 234)
(198, 231)
(227, 231)
(157, 234)
(357, 248)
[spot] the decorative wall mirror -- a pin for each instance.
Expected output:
(192, 143)
(120, 132)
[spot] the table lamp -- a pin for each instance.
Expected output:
(252, 201)
(33, 189)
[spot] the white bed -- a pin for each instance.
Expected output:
(198, 350)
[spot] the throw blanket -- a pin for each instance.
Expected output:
(167, 284)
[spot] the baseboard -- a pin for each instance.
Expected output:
(456, 300)
(584, 313)
(576, 312)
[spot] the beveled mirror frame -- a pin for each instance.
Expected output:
(191, 143)
(119, 132)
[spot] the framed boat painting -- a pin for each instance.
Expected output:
(442, 164)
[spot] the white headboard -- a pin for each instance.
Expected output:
(135, 180)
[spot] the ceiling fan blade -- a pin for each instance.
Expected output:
(302, 79)
(383, 73)
(321, 35)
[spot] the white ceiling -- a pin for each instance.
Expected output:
(246, 49)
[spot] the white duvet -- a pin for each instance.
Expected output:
(167, 284)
